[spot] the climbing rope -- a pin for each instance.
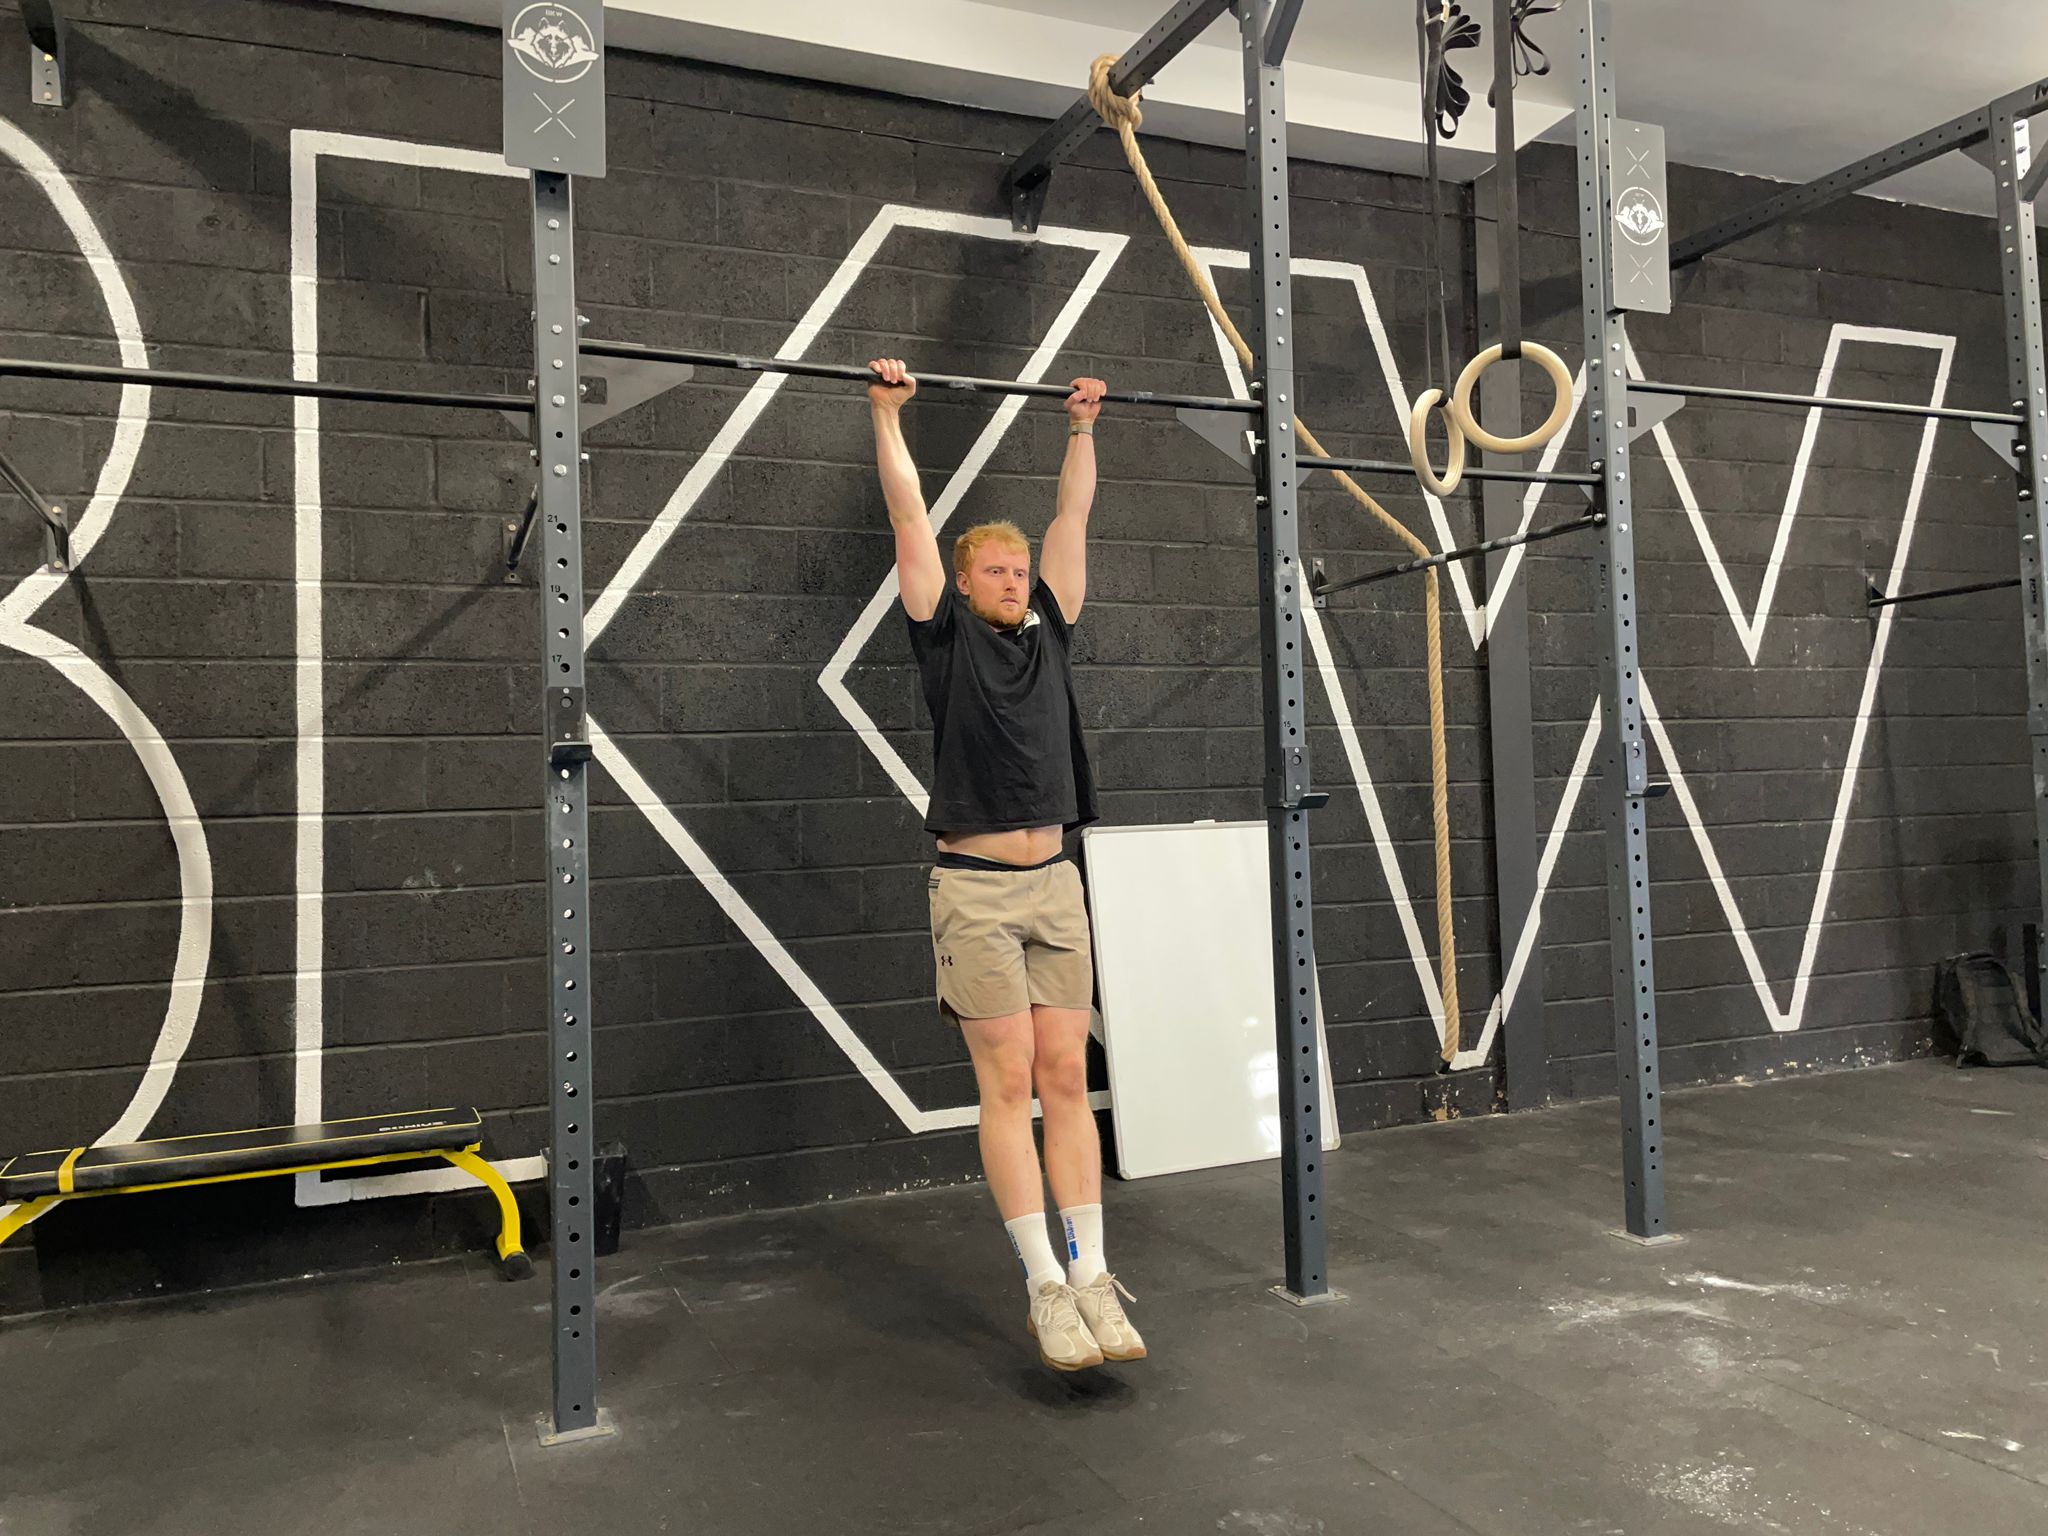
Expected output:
(1123, 114)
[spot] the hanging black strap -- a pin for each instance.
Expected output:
(1528, 58)
(1442, 28)
(1514, 55)
(1507, 188)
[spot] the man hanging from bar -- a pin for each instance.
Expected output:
(1010, 779)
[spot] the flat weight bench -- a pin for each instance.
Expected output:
(40, 1180)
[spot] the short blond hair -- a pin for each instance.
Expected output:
(971, 543)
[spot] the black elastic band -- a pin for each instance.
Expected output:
(1528, 59)
(1441, 27)
(1507, 187)
(969, 861)
(1445, 29)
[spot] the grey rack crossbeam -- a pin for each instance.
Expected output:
(1322, 589)
(233, 384)
(854, 373)
(1826, 402)
(1025, 182)
(1958, 133)
(1280, 31)
(1879, 600)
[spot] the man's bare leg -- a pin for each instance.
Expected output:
(1002, 1050)
(1073, 1165)
(1073, 1143)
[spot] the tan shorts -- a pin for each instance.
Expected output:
(1004, 940)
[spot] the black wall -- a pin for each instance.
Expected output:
(731, 202)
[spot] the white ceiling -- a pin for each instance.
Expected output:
(1787, 89)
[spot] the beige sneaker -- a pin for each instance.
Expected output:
(1103, 1315)
(1064, 1342)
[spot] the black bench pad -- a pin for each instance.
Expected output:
(139, 1164)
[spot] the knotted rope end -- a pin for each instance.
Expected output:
(1119, 112)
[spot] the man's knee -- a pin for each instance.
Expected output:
(1062, 1074)
(1007, 1083)
(1004, 1056)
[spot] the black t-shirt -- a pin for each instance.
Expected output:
(1006, 733)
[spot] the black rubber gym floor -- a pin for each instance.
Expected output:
(1853, 1337)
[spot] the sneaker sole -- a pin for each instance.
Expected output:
(1083, 1365)
(1136, 1354)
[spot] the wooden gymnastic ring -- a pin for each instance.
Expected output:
(1560, 410)
(1418, 443)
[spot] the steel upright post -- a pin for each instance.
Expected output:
(554, 128)
(558, 436)
(1284, 648)
(1623, 757)
(2020, 262)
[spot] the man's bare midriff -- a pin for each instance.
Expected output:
(1026, 845)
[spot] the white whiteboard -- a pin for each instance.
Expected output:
(1182, 923)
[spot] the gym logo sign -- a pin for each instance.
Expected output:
(1638, 216)
(553, 43)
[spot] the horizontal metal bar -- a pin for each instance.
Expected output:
(1450, 557)
(1826, 402)
(1971, 128)
(1280, 31)
(2024, 102)
(231, 384)
(1879, 600)
(1403, 467)
(855, 373)
(1140, 62)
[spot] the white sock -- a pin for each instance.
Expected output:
(1034, 1247)
(1083, 1224)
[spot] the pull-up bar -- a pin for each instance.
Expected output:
(1320, 588)
(1404, 467)
(232, 384)
(1230, 437)
(1879, 600)
(856, 373)
(1827, 402)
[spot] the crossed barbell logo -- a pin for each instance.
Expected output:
(554, 114)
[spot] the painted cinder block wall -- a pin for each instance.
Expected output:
(402, 965)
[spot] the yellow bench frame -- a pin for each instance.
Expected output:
(513, 1262)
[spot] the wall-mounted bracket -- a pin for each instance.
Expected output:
(516, 531)
(2000, 439)
(46, 36)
